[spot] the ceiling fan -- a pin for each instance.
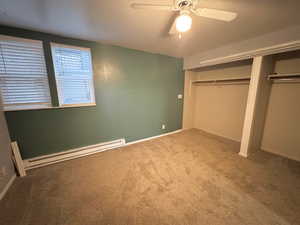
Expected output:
(185, 7)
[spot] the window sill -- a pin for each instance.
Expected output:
(11, 109)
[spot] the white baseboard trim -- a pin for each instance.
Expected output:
(71, 154)
(225, 137)
(219, 135)
(153, 137)
(83, 151)
(243, 154)
(7, 186)
(280, 154)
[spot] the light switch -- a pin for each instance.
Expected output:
(179, 96)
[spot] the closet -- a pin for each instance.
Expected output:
(220, 97)
(282, 125)
(254, 101)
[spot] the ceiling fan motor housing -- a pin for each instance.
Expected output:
(185, 4)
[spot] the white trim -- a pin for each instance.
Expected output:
(71, 154)
(45, 160)
(26, 107)
(258, 97)
(153, 137)
(53, 107)
(219, 135)
(243, 154)
(91, 81)
(69, 46)
(7, 186)
(13, 38)
(39, 48)
(274, 49)
(255, 81)
(18, 159)
(279, 154)
(78, 105)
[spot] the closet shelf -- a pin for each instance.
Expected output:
(227, 80)
(284, 76)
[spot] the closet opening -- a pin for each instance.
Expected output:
(282, 125)
(216, 99)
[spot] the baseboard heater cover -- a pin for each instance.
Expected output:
(71, 154)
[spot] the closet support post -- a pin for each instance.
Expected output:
(188, 104)
(257, 103)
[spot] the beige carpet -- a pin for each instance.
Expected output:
(188, 178)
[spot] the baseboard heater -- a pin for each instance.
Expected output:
(71, 154)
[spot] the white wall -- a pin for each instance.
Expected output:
(282, 126)
(6, 165)
(275, 38)
(189, 99)
(220, 109)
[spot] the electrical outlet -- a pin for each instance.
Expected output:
(163, 127)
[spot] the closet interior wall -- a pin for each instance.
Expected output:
(218, 108)
(282, 125)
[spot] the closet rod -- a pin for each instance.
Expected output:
(284, 77)
(223, 81)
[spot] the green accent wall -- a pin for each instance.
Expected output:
(136, 92)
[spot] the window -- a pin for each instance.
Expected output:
(23, 75)
(24, 82)
(74, 75)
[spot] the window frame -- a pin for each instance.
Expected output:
(59, 93)
(27, 106)
(50, 71)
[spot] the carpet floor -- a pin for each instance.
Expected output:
(188, 178)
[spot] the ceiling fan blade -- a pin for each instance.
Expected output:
(151, 6)
(215, 14)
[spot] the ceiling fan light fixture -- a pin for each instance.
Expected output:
(183, 22)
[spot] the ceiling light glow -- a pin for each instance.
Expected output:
(183, 22)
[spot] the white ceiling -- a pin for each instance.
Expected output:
(114, 22)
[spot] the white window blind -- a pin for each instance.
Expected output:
(74, 75)
(23, 75)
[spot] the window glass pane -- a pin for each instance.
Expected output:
(23, 75)
(74, 75)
